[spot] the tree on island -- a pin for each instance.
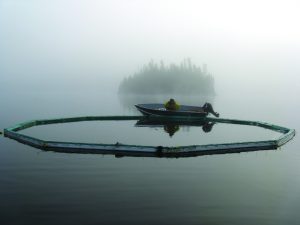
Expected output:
(153, 78)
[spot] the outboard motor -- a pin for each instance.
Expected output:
(207, 107)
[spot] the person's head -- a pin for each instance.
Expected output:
(172, 100)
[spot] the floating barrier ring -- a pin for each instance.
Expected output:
(119, 149)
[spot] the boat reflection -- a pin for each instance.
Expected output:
(172, 126)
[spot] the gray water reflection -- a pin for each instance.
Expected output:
(45, 187)
(139, 133)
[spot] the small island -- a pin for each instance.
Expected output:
(185, 79)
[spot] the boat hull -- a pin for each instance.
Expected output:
(160, 110)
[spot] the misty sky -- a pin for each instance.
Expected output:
(88, 42)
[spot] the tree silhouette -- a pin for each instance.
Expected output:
(154, 78)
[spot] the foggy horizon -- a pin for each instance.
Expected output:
(105, 41)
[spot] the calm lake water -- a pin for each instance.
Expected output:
(38, 187)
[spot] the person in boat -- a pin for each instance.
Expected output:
(172, 105)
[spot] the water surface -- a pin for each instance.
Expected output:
(130, 132)
(57, 188)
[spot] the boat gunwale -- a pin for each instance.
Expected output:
(168, 112)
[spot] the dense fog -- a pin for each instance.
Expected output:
(93, 45)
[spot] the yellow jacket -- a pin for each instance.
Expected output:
(172, 105)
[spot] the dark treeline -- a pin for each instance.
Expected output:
(154, 78)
